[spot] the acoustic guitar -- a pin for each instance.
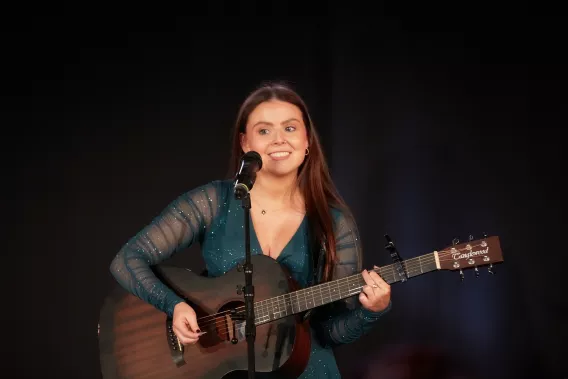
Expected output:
(136, 340)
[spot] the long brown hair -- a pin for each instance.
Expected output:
(314, 180)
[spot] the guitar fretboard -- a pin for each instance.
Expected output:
(325, 293)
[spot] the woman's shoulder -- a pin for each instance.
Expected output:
(214, 189)
(343, 218)
(221, 184)
(340, 213)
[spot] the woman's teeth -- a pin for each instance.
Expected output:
(280, 154)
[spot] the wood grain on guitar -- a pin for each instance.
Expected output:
(136, 341)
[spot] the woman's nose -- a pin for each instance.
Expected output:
(279, 137)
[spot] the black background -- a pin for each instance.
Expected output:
(437, 123)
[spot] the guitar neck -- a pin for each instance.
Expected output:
(325, 293)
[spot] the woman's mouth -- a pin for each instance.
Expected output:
(279, 155)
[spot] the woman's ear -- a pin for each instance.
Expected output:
(244, 143)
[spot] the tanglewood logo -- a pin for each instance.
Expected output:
(457, 256)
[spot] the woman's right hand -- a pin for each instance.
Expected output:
(185, 324)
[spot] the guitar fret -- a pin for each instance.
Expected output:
(258, 310)
(291, 304)
(284, 305)
(274, 308)
(294, 302)
(314, 296)
(334, 293)
(313, 290)
(358, 284)
(313, 303)
(264, 309)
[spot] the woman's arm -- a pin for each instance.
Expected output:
(346, 320)
(182, 223)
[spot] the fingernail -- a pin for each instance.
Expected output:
(200, 334)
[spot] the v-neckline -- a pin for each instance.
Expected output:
(281, 253)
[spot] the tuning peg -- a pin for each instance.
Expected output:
(455, 241)
(471, 237)
(476, 272)
(461, 275)
(484, 235)
(490, 269)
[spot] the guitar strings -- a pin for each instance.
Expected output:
(344, 285)
(222, 327)
(410, 265)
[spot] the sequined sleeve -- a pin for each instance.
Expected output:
(182, 223)
(345, 321)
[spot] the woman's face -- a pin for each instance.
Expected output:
(276, 130)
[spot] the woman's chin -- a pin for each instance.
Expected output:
(282, 172)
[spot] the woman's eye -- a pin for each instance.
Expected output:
(263, 131)
(290, 128)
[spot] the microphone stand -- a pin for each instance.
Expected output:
(250, 327)
(251, 162)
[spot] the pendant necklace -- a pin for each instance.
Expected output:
(263, 211)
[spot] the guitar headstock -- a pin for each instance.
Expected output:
(471, 254)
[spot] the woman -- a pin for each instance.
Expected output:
(293, 200)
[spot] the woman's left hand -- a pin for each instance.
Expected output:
(375, 296)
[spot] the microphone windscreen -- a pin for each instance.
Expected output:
(253, 156)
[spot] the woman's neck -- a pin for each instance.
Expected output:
(276, 190)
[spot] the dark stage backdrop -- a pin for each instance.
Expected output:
(426, 128)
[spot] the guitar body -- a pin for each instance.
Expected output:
(135, 341)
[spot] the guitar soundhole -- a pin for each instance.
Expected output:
(221, 324)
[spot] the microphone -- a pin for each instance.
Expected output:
(251, 162)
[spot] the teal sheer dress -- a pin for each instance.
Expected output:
(209, 215)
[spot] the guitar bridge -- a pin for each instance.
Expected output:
(176, 347)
